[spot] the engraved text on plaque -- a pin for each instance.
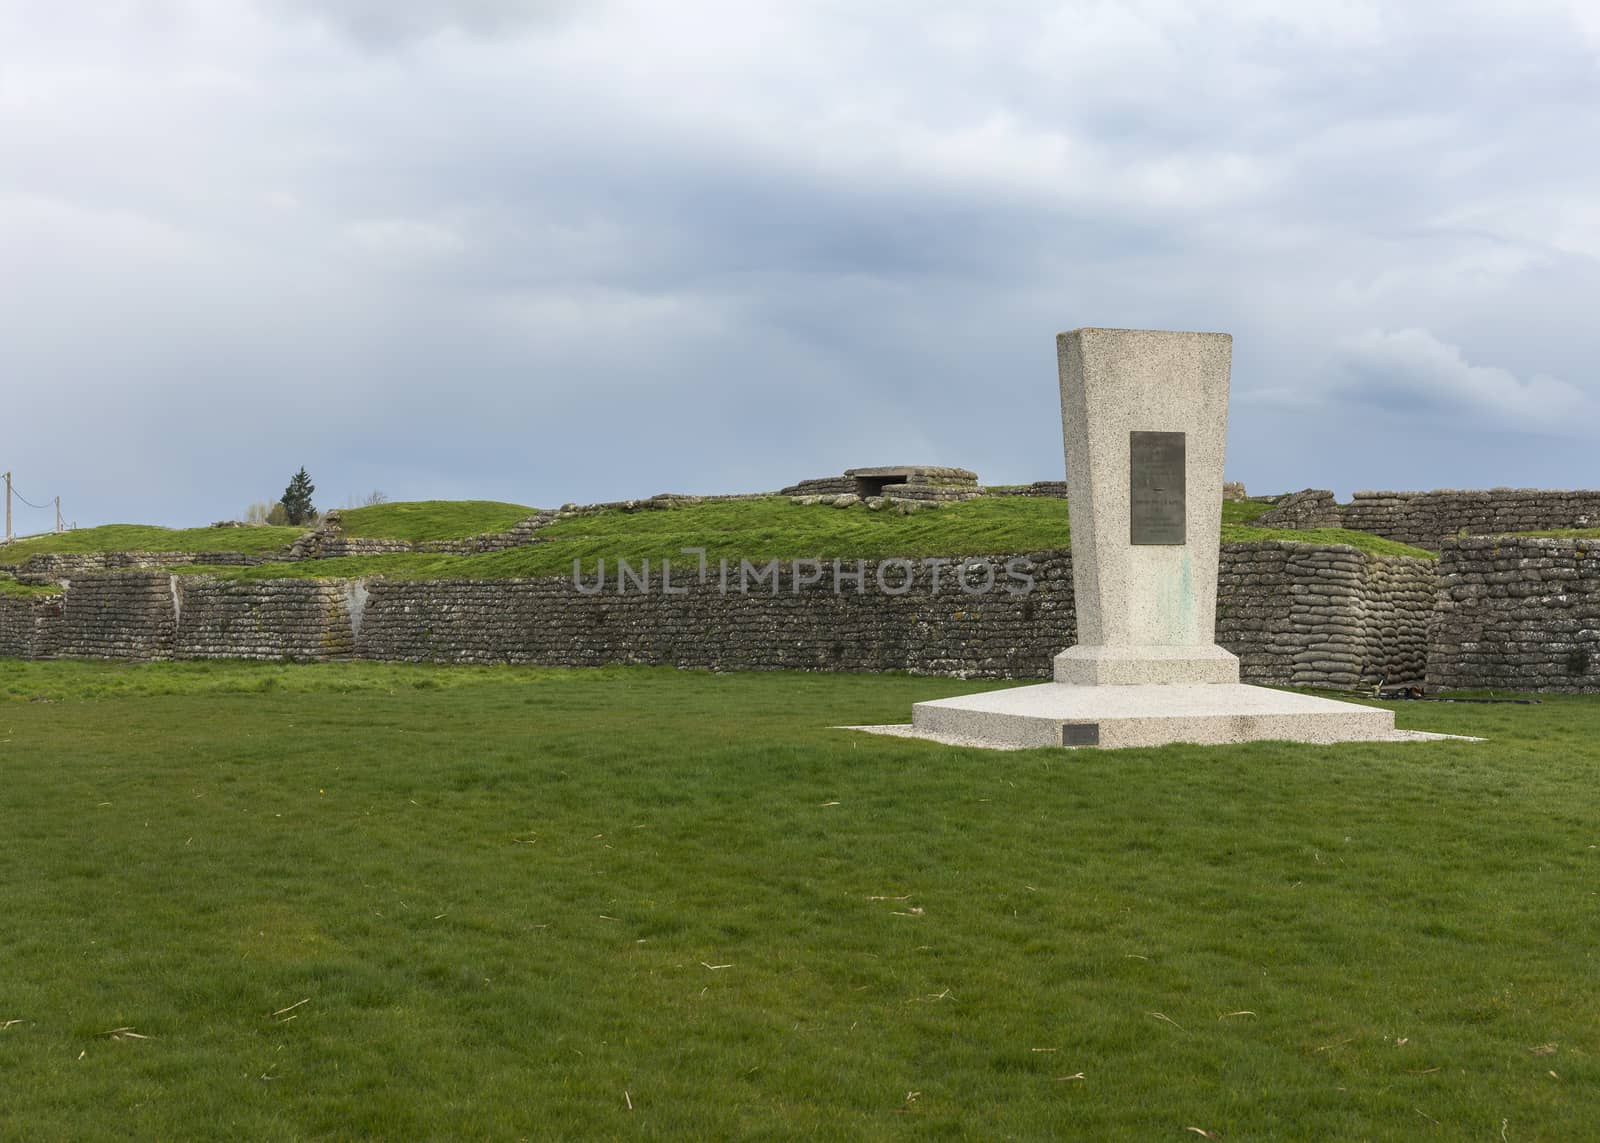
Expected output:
(1155, 489)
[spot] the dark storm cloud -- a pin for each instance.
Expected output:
(554, 251)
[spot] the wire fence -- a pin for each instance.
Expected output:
(30, 503)
(15, 493)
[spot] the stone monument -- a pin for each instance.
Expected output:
(1144, 415)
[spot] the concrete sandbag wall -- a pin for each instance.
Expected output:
(1517, 613)
(1427, 519)
(1323, 615)
(298, 619)
(114, 615)
(24, 624)
(547, 620)
(1296, 614)
(146, 615)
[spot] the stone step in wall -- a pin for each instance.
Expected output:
(519, 535)
(1518, 613)
(328, 541)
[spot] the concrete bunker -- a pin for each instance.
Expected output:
(914, 482)
(872, 482)
(895, 482)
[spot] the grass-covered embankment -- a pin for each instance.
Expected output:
(774, 527)
(10, 587)
(758, 530)
(150, 538)
(417, 520)
(1562, 534)
(356, 900)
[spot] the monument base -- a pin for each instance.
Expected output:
(1127, 666)
(1059, 714)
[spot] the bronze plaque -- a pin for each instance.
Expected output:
(1155, 488)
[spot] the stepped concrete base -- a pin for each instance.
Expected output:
(1059, 714)
(1125, 666)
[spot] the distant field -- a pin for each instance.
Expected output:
(371, 901)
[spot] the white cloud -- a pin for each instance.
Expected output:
(1413, 369)
(405, 238)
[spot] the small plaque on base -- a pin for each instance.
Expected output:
(1080, 734)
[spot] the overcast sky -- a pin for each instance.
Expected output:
(553, 250)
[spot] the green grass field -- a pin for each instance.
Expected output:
(355, 900)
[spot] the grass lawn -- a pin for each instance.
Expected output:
(279, 902)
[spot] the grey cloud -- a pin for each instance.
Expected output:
(544, 253)
(1413, 370)
(391, 23)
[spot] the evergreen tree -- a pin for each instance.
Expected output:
(297, 498)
